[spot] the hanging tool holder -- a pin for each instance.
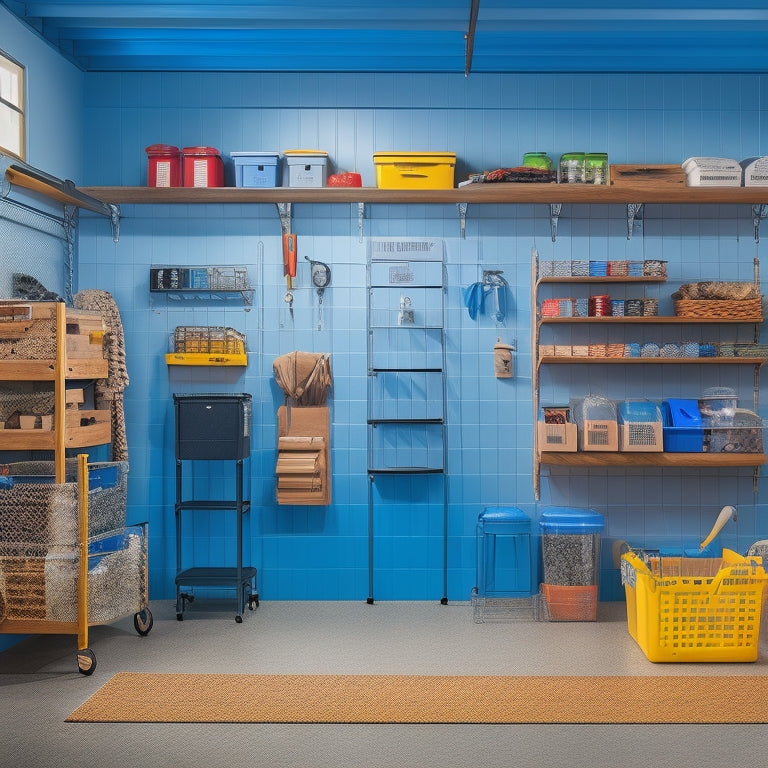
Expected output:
(496, 287)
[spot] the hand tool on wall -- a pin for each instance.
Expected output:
(321, 279)
(289, 266)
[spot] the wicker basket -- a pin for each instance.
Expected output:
(708, 309)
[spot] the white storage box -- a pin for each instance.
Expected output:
(305, 168)
(712, 172)
(256, 169)
(755, 171)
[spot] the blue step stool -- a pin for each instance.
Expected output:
(504, 553)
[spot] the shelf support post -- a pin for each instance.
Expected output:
(462, 208)
(759, 212)
(634, 217)
(554, 216)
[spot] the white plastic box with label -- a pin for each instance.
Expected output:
(305, 168)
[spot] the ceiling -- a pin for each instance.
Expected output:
(465, 36)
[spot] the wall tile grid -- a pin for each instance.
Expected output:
(489, 121)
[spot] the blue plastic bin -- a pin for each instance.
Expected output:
(504, 553)
(683, 432)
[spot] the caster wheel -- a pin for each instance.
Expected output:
(179, 617)
(253, 602)
(239, 619)
(86, 661)
(143, 622)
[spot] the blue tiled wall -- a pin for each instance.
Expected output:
(104, 121)
(489, 121)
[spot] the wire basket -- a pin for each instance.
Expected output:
(210, 339)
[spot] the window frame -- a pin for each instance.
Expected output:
(15, 68)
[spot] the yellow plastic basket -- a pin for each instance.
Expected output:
(694, 609)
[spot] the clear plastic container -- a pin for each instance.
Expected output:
(572, 168)
(718, 406)
(596, 168)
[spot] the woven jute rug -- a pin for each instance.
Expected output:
(241, 698)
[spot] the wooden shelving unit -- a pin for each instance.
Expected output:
(75, 340)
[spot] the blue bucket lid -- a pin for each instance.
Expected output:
(503, 514)
(571, 520)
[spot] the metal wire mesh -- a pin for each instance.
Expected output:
(37, 245)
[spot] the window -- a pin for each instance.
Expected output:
(11, 107)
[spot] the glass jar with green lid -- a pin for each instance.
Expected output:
(596, 169)
(572, 167)
(538, 160)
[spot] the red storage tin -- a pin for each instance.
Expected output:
(203, 167)
(164, 166)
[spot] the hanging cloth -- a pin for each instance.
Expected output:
(474, 299)
(304, 377)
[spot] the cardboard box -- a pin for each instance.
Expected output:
(557, 437)
(600, 435)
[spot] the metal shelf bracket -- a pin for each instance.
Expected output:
(284, 212)
(114, 220)
(462, 208)
(634, 219)
(759, 212)
(360, 217)
(554, 216)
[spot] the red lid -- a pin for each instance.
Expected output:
(161, 149)
(204, 151)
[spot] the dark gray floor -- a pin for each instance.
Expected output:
(40, 686)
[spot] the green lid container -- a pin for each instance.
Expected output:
(572, 167)
(596, 169)
(538, 160)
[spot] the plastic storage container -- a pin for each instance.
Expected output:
(683, 609)
(682, 426)
(570, 552)
(163, 166)
(305, 168)
(414, 170)
(504, 553)
(213, 426)
(640, 426)
(203, 167)
(718, 412)
(256, 169)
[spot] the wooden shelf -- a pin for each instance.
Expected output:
(601, 279)
(502, 193)
(648, 320)
(572, 360)
(651, 459)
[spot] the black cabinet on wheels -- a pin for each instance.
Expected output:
(213, 427)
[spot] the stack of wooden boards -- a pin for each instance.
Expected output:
(303, 455)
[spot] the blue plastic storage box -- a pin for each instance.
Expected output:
(504, 563)
(683, 432)
(256, 169)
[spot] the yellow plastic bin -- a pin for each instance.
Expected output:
(694, 609)
(414, 170)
